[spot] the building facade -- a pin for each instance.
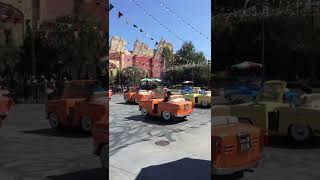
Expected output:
(15, 13)
(142, 56)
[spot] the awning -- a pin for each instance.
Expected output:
(246, 65)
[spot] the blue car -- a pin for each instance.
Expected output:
(246, 90)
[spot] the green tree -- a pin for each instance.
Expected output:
(188, 65)
(168, 56)
(133, 75)
(26, 65)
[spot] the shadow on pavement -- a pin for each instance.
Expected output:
(92, 174)
(124, 103)
(69, 133)
(284, 143)
(224, 177)
(186, 169)
(155, 120)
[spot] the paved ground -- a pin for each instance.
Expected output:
(31, 151)
(283, 162)
(127, 126)
(134, 155)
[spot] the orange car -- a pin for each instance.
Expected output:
(237, 147)
(176, 106)
(134, 96)
(5, 104)
(110, 94)
(100, 140)
(80, 106)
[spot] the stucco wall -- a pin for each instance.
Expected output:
(53, 9)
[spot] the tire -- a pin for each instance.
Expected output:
(204, 103)
(54, 120)
(144, 112)
(104, 156)
(126, 99)
(300, 134)
(239, 174)
(3, 117)
(86, 123)
(166, 115)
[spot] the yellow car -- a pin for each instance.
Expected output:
(193, 97)
(205, 99)
(197, 98)
(273, 112)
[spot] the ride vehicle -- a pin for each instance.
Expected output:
(110, 94)
(134, 95)
(180, 88)
(80, 106)
(147, 85)
(204, 100)
(6, 104)
(100, 136)
(236, 147)
(241, 93)
(198, 96)
(175, 107)
(283, 112)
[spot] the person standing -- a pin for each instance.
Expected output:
(34, 89)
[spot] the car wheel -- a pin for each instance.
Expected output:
(54, 120)
(239, 175)
(86, 124)
(166, 115)
(126, 99)
(300, 134)
(104, 156)
(204, 103)
(2, 117)
(144, 112)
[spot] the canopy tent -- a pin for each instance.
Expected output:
(246, 65)
(187, 82)
(151, 80)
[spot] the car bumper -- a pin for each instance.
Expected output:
(182, 115)
(96, 150)
(3, 113)
(227, 171)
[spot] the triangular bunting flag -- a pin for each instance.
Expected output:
(141, 30)
(111, 7)
(135, 26)
(119, 14)
(157, 43)
(152, 39)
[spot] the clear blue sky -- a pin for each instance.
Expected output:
(197, 13)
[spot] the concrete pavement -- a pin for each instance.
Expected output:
(186, 157)
(30, 150)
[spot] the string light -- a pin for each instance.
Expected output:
(162, 25)
(168, 9)
(126, 20)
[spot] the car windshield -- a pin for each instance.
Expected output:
(271, 92)
(132, 89)
(158, 93)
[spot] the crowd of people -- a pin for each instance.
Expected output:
(34, 89)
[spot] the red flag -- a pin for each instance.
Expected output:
(119, 14)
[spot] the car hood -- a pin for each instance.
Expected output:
(264, 103)
(232, 129)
